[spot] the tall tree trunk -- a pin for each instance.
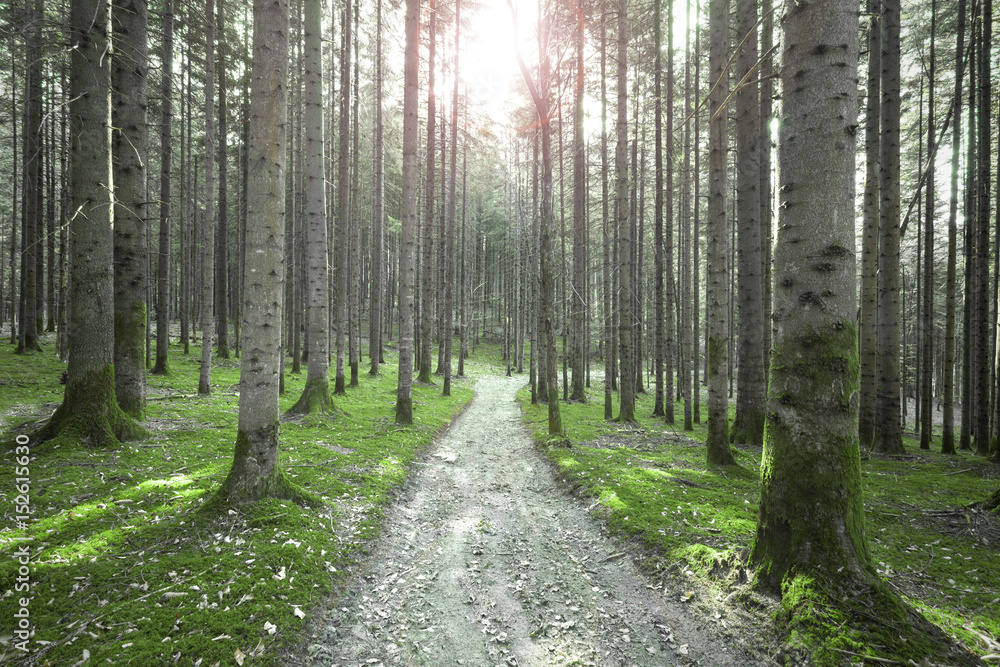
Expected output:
(129, 155)
(717, 299)
(578, 298)
(888, 428)
(811, 495)
(408, 214)
(984, 377)
(343, 200)
(659, 316)
(948, 385)
(255, 472)
(378, 215)
(610, 348)
(31, 208)
(163, 282)
(749, 425)
(870, 234)
(626, 411)
(207, 244)
(449, 289)
(222, 261)
(316, 393)
(927, 350)
(89, 413)
(427, 279)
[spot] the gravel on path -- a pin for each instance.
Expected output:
(484, 560)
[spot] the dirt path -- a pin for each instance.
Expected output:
(485, 561)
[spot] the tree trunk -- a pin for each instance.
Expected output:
(31, 208)
(610, 349)
(255, 472)
(89, 413)
(222, 234)
(129, 154)
(717, 298)
(408, 214)
(449, 288)
(207, 245)
(316, 393)
(626, 411)
(749, 425)
(870, 235)
(927, 348)
(811, 511)
(578, 298)
(163, 283)
(948, 385)
(427, 279)
(888, 429)
(984, 375)
(378, 216)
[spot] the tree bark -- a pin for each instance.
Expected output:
(427, 279)
(163, 282)
(207, 240)
(378, 215)
(811, 511)
(408, 214)
(717, 296)
(129, 154)
(343, 201)
(626, 409)
(222, 231)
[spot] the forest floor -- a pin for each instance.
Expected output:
(484, 560)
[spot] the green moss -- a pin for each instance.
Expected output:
(114, 529)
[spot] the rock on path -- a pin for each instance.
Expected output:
(485, 561)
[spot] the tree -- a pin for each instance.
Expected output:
(31, 208)
(378, 215)
(90, 412)
(255, 472)
(749, 425)
(626, 410)
(207, 240)
(222, 229)
(659, 316)
(888, 436)
(343, 199)
(927, 347)
(717, 298)
(870, 231)
(948, 384)
(316, 393)
(449, 245)
(578, 298)
(811, 512)
(546, 297)
(408, 212)
(163, 286)
(427, 243)
(129, 148)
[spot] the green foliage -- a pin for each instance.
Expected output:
(126, 565)
(933, 549)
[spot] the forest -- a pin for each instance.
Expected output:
(319, 315)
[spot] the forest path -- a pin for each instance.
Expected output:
(485, 561)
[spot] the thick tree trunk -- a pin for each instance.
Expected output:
(89, 413)
(811, 511)
(255, 472)
(985, 362)
(129, 149)
(717, 297)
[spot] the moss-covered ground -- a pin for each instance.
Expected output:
(693, 526)
(124, 567)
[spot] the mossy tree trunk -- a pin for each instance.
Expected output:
(89, 412)
(129, 155)
(749, 425)
(717, 232)
(811, 511)
(255, 472)
(408, 205)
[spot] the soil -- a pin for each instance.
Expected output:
(485, 560)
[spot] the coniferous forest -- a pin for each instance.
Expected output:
(484, 332)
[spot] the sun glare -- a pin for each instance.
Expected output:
(489, 66)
